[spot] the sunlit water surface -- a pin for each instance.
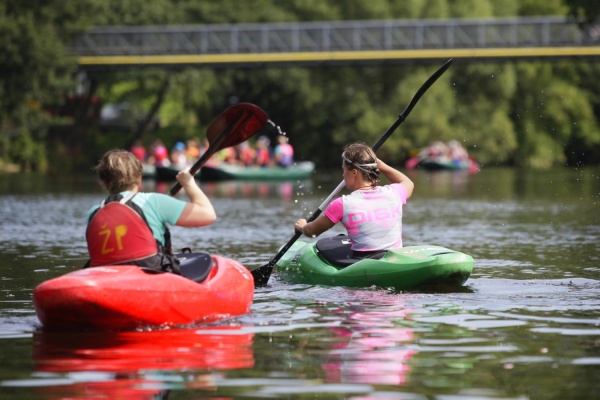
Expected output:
(525, 326)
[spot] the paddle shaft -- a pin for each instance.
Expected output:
(261, 275)
(212, 149)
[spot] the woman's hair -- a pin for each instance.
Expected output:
(119, 170)
(361, 157)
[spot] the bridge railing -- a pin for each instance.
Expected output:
(335, 36)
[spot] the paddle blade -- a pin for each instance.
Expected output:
(244, 120)
(473, 166)
(231, 127)
(262, 274)
(412, 162)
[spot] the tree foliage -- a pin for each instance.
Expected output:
(586, 10)
(521, 113)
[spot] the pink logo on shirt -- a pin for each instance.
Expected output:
(378, 214)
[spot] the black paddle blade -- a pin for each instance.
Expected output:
(262, 274)
(245, 119)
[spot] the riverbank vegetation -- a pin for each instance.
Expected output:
(522, 113)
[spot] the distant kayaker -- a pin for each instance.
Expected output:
(263, 153)
(284, 152)
(371, 214)
(139, 150)
(117, 235)
(159, 155)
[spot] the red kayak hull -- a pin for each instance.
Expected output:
(127, 297)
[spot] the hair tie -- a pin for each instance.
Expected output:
(360, 166)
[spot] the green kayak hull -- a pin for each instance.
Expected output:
(224, 172)
(300, 170)
(405, 268)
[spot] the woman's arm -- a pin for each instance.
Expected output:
(314, 228)
(395, 176)
(199, 211)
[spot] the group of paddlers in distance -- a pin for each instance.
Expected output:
(184, 154)
(440, 155)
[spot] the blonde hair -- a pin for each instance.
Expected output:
(119, 170)
(361, 157)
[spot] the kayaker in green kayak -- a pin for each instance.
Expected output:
(371, 214)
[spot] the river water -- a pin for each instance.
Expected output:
(526, 325)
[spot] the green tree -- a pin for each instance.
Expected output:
(36, 71)
(586, 10)
(524, 113)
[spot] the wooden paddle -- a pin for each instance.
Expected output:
(262, 274)
(233, 126)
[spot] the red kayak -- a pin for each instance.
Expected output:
(129, 297)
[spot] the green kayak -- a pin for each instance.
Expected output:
(148, 171)
(327, 262)
(224, 172)
(167, 173)
(219, 172)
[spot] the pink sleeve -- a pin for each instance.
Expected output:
(401, 190)
(335, 210)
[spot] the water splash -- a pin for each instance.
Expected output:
(279, 130)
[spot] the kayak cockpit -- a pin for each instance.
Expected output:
(194, 266)
(336, 251)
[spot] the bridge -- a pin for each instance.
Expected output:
(336, 42)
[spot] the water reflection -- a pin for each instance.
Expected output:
(240, 189)
(137, 364)
(369, 351)
(509, 184)
(444, 183)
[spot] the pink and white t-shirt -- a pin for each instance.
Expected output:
(373, 218)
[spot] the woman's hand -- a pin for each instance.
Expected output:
(299, 225)
(314, 228)
(184, 177)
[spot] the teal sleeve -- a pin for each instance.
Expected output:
(168, 208)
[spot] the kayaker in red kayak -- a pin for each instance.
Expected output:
(371, 214)
(117, 235)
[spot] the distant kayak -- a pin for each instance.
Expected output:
(220, 172)
(441, 156)
(443, 163)
(224, 171)
(166, 173)
(328, 262)
(148, 171)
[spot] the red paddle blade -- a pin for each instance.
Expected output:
(233, 126)
(242, 120)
